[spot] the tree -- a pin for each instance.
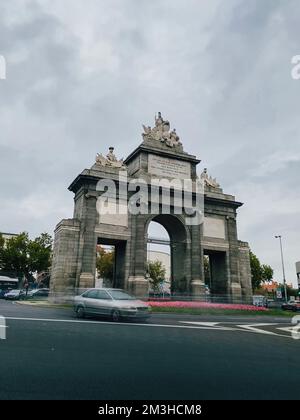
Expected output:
(23, 256)
(2, 241)
(157, 272)
(14, 254)
(105, 264)
(260, 273)
(39, 251)
(267, 272)
(255, 271)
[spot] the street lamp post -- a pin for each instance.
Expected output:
(282, 262)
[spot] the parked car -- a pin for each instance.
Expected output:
(15, 294)
(3, 292)
(292, 305)
(38, 293)
(113, 303)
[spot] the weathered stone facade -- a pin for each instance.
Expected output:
(74, 259)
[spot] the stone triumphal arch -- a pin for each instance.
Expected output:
(112, 221)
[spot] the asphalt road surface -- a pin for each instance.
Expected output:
(48, 354)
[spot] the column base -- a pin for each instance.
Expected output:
(247, 296)
(236, 292)
(138, 286)
(86, 281)
(198, 289)
(62, 295)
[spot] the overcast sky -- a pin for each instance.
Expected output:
(83, 75)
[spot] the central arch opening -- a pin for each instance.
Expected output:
(167, 262)
(159, 260)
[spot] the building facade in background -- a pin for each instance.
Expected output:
(273, 285)
(8, 236)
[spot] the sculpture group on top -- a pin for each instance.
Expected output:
(110, 159)
(161, 132)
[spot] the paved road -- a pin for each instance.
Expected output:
(49, 354)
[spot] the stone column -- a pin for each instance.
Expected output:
(65, 259)
(235, 286)
(88, 241)
(245, 272)
(138, 285)
(197, 280)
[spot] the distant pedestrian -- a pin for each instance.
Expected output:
(26, 287)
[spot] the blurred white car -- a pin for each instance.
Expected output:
(113, 303)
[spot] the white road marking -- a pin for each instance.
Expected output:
(209, 325)
(288, 329)
(3, 328)
(113, 323)
(204, 323)
(253, 327)
(250, 328)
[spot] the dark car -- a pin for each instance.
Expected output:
(15, 294)
(38, 293)
(292, 305)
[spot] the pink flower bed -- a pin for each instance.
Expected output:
(205, 305)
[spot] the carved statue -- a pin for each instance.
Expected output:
(165, 135)
(161, 132)
(208, 180)
(174, 138)
(147, 130)
(111, 157)
(109, 160)
(158, 120)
